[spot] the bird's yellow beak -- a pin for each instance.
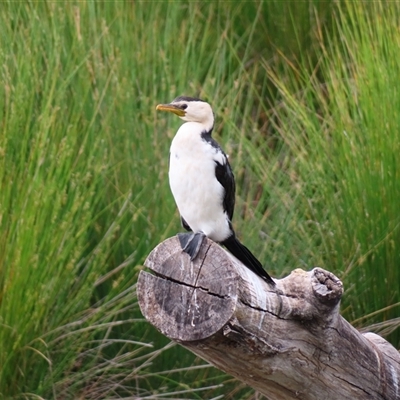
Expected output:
(171, 108)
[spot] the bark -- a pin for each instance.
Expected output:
(287, 342)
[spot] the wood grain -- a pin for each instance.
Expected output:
(288, 342)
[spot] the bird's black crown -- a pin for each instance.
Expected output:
(186, 98)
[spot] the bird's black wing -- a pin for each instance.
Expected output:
(224, 175)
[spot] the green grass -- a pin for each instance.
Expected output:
(340, 128)
(306, 105)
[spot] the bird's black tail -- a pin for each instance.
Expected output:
(242, 253)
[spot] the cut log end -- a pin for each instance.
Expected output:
(187, 300)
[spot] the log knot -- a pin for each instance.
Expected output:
(327, 287)
(308, 296)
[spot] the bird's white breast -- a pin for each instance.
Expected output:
(197, 192)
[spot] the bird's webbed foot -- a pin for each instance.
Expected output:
(191, 243)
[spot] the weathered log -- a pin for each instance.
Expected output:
(288, 342)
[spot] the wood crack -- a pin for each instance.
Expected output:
(206, 290)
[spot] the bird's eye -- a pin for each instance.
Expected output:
(183, 106)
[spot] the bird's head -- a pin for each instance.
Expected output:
(190, 109)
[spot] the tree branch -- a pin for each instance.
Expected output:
(287, 342)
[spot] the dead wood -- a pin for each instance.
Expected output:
(287, 342)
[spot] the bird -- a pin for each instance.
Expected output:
(203, 184)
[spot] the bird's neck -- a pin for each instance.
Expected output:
(195, 129)
(189, 141)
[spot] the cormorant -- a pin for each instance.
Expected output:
(203, 184)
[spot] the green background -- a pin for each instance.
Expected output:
(306, 98)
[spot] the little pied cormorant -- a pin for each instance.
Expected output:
(203, 184)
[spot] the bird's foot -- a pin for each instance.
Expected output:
(191, 243)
